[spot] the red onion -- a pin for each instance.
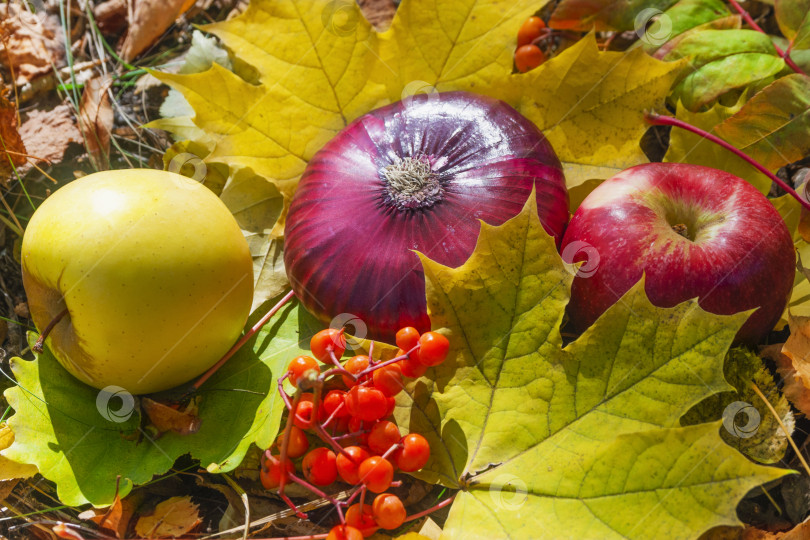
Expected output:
(416, 175)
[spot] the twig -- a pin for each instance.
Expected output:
(781, 425)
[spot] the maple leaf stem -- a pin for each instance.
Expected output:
(238, 345)
(432, 509)
(753, 24)
(661, 120)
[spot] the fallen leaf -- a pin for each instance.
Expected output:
(721, 61)
(331, 66)
(166, 418)
(773, 127)
(793, 18)
(12, 149)
(601, 14)
(583, 441)
(793, 364)
(111, 16)
(48, 133)
(96, 120)
(148, 19)
(172, 517)
(799, 532)
(595, 122)
(9, 469)
(106, 518)
(31, 44)
(257, 205)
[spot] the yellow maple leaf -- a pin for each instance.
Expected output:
(319, 64)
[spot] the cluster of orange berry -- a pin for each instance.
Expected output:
(528, 55)
(347, 408)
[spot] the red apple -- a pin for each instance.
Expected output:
(693, 232)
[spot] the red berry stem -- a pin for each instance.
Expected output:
(285, 443)
(328, 439)
(660, 120)
(238, 345)
(432, 509)
(350, 435)
(391, 450)
(752, 23)
(303, 483)
(281, 391)
(373, 368)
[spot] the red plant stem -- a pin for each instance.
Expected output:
(238, 345)
(752, 23)
(285, 443)
(37, 348)
(659, 120)
(333, 415)
(349, 435)
(391, 450)
(348, 501)
(328, 439)
(303, 483)
(375, 367)
(283, 394)
(432, 509)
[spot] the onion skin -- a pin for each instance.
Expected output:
(350, 244)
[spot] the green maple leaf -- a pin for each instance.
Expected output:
(578, 442)
(82, 444)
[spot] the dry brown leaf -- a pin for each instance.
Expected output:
(111, 16)
(30, 47)
(165, 418)
(793, 363)
(109, 518)
(172, 517)
(799, 532)
(12, 148)
(96, 120)
(47, 134)
(148, 19)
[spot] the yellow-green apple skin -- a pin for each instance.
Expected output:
(154, 272)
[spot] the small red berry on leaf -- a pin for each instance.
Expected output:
(530, 30)
(349, 467)
(388, 379)
(367, 404)
(376, 473)
(407, 338)
(414, 454)
(300, 366)
(298, 444)
(319, 466)
(354, 365)
(344, 532)
(271, 471)
(433, 348)
(364, 521)
(383, 435)
(326, 341)
(388, 510)
(528, 57)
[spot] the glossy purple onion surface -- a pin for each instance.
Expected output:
(416, 175)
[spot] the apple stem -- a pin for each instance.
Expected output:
(238, 345)
(752, 23)
(37, 348)
(661, 120)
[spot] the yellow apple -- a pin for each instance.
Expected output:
(153, 270)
